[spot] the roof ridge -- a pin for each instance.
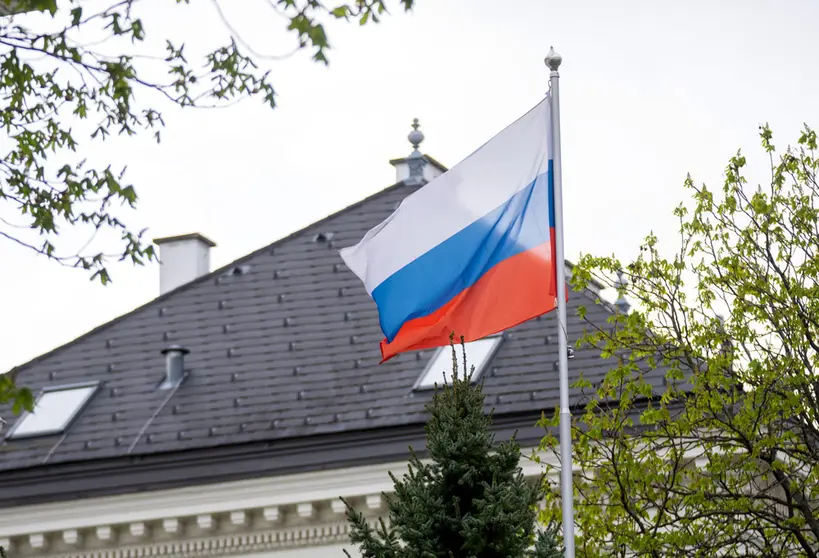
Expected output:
(210, 275)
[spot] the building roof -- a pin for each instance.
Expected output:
(284, 349)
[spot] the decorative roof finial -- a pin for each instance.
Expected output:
(620, 284)
(415, 137)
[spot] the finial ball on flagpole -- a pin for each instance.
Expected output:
(553, 59)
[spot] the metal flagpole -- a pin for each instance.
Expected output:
(553, 61)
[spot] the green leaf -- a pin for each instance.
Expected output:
(76, 15)
(340, 12)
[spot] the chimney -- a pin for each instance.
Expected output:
(417, 169)
(174, 366)
(182, 259)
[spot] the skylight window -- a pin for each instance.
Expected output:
(478, 354)
(54, 410)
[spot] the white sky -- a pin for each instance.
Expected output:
(650, 90)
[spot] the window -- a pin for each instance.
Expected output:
(54, 410)
(478, 354)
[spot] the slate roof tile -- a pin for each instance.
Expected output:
(283, 343)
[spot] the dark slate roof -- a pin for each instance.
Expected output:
(283, 344)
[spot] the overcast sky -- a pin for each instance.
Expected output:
(651, 90)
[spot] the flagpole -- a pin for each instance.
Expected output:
(553, 61)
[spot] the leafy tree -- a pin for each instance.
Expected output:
(56, 85)
(468, 501)
(88, 73)
(703, 439)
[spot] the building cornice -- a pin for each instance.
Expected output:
(216, 545)
(125, 475)
(301, 509)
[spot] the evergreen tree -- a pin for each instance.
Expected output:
(469, 501)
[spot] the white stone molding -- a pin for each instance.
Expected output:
(224, 545)
(271, 514)
(263, 514)
(205, 521)
(306, 510)
(137, 529)
(337, 506)
(238, 517)
(71, 537)
(210, 499)
(170, 525)
(104, 533)
(37, 540)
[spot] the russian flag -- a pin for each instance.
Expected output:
(471, 252)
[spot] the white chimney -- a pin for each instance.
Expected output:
(417, 168)
(182, 259)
